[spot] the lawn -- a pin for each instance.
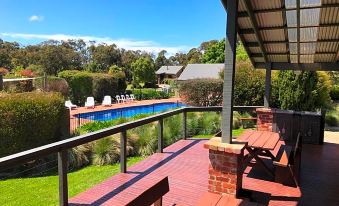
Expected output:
(44, 190)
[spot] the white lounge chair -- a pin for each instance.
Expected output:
(107, 101)
(131, 97)
(123, 99)
(90, 102)
(117, 97)
(70, 105)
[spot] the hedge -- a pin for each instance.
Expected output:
(30, 120)
(149, 94)
(201, 92)
(83, 84)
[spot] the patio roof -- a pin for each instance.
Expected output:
(290, 34)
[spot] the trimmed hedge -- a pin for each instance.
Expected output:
(83, 84)
(201, 92)
(30, 120)
(149, 94)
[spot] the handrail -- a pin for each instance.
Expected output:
(61, 147)
(82, 139)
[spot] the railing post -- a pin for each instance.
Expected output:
(1, 82)
(63, 184)
(45, 82)
(123, 140)
(160, 135)
(184, 124)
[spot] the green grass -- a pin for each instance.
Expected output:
(44, 190)
(235, 133)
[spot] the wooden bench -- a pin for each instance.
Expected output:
(247, 119)
(287, 163)
(152, 195)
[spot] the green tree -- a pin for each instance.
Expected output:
(161, 60)
(143, 70)
(105, 56)
(214, 53)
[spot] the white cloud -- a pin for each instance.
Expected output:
(148, 46)
(36, 18)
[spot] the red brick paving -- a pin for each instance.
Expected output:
(186, 163)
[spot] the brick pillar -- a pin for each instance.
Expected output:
(265, 119)
(225, 166)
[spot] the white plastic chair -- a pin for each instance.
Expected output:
(117, 97)
(90, 102)
(123, 99)
(70, 105)
(128, 98)
(132, 98)
(107, 101)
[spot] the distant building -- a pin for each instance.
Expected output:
(168, 72)
(199, 71)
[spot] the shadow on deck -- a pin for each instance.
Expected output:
(186, 164)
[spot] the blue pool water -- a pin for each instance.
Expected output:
(130, 111)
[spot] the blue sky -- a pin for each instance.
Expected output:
(151, 25)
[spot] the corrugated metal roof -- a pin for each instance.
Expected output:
(198, 71)
(316, 39)
(169, 70)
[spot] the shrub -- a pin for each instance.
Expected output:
(208, 94)
(27, 73)
(84, 84)
(335, 92)
(149, 94)
(332, 119)
(80, 156)
(30, 120)
(106, 151)
(56, 84)
(80, 84)
(3, 71)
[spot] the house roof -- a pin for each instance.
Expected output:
(198, 71)
(169, 70)
(290, 33)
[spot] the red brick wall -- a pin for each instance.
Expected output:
(265, 119)
(225, 172)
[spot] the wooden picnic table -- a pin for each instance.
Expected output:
(260, 143)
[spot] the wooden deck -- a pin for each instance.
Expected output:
(186, 163)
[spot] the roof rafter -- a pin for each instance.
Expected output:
(255, 44)
(301, 66)
(287, 53)
(244, 14)
(253, 20)
(285, 27)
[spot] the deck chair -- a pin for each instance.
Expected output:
(128, 98)
(90, 102)
(118, 99)
(107, 101)
(132, 97)
(70, 105)
(123, 99)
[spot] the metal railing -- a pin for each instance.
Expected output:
(61, 147)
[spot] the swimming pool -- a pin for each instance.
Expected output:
(129, 111)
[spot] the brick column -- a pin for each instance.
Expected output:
(225, 166)
(265, 119)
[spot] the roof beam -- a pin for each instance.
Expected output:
(298, 29)
(244, 14)
(287, 53)
(253, 20)
(301, 66)
(285, 27)
(255, 44)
